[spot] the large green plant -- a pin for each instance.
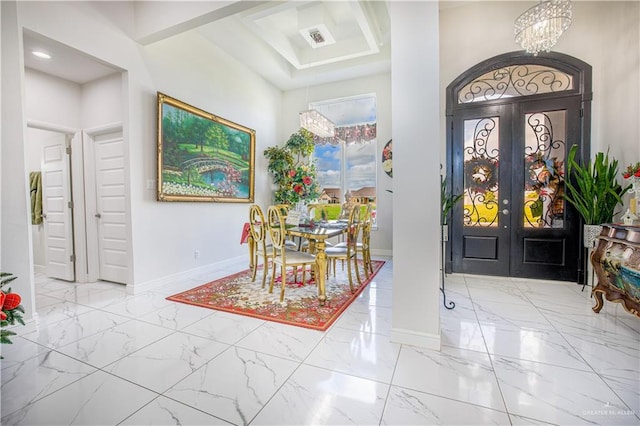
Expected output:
(292, 171)
(593, 188)
(447, 201)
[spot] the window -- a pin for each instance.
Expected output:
(347, 163)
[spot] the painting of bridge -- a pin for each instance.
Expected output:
(202, 157)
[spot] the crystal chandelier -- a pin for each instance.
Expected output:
(317, 123)
(540, 26)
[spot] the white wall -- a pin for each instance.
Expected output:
(297, 100)
(165, 235)
(101, 102)
(416, 223)
(605, 34)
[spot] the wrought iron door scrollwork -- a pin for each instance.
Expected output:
(544, 174)
(517, 80)
(481, 177)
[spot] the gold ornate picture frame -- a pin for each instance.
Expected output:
(203, 157)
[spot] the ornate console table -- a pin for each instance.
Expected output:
(616, 261)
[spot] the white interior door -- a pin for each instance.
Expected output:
(110, 211)
(57, 210)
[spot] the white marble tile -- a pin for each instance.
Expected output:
(110, 345)
(370, 319)
(589, 323)
(97, 399)
(28, 381)
(43, 301)
(286, 341)
(59, 311)
(609, 355)
(224, 327)
(526, 316)
(503, 292)
(368, 355)
(177, 316)
(315, 396)
(451, 373)
(61, 333)
(544, 346)
(20, 350)
(176, 356)
(139, 305)
(96, 296)
(165, 411)
(46, 285)
(375, 296)
(235, 385)
(557, 395)
(462, 333)
(409, 407)
(525, 421)
(457, 306)
(628, 389)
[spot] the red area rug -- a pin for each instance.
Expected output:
(237, 294)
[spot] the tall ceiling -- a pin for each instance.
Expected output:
(292, 44)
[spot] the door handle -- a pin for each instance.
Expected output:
(43, 215)
(98, 215)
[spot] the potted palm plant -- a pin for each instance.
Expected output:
(447, 201)
(594, 191)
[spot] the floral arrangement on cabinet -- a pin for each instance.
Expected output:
(633, 171)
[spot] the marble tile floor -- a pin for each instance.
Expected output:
(514, 352)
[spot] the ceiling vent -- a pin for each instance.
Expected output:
(317, 36)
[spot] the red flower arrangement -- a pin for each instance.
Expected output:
(10, 309)
(633, 170)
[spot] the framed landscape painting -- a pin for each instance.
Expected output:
(203, 157)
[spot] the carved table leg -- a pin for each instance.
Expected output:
(597, 294)
(321, 264)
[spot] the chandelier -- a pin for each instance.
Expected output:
(540, 26)
(317, 123)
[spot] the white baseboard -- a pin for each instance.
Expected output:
(211, 268)
(413, 338)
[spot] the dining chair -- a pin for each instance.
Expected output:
(347, 250)
(258, 229)
(281, 254)
(363, 246)
(284, 210)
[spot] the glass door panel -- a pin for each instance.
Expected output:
(481, 172)
(544, 153)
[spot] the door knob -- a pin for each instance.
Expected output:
(43, 215)
(98, 215)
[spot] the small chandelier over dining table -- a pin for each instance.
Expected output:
(317, 123)
(540, 27)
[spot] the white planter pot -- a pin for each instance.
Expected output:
(590, 234)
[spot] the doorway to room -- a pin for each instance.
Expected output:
(511, 122)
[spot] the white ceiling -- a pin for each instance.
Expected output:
(271, 38)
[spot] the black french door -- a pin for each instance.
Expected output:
(508, 161)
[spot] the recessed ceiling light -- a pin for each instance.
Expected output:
(41, 54)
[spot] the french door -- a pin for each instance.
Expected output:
(508, 163)
(512, 119)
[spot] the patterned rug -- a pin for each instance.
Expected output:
(237, 294)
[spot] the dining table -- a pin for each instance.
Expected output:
(318, 234)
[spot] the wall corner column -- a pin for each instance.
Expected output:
(416, 173)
